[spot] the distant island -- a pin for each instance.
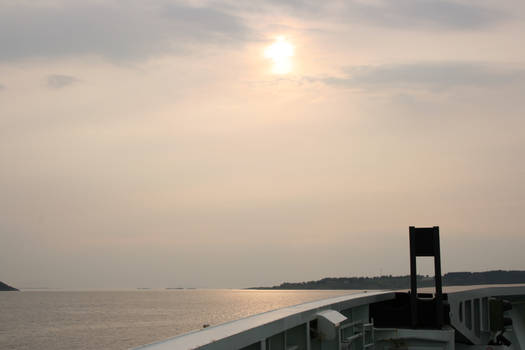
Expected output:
(6, 288)
(403, 282)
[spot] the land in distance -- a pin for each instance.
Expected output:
(6, 288)
(403, 282)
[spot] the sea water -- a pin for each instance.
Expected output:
(126, 319)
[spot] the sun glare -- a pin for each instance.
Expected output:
(281, 53)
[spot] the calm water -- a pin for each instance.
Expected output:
(125, 319)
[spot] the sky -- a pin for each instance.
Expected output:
(158, 143)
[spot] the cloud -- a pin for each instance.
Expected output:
(123, 30)
(113, 29)
(58, 81)
(426, 13)
(206, 24)
(2, 87)
(430, 76)
(438, 14)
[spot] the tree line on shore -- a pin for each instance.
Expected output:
(5, 287)
(403, 282)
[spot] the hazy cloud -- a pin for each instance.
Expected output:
(425, 13)
(134, 29)
(58, 81)
(402, 13)
(206, 24)
(431, 76)
(114, 29)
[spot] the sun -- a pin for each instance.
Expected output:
(280, 52)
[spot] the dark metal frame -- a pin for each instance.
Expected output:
(424, 241)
